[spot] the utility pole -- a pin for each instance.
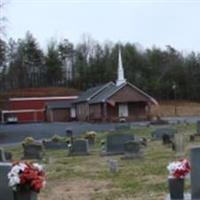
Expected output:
(175, 107)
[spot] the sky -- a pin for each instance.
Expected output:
(145, 22)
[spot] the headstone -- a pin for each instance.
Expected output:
(2, 155)
(132, 149)
(5, 191)
(195, 172)
(179, 144)
(8, 156)
(115, 143)
(158, 133)
(54, 145)
(113, 166)
(79, 147)
(197, 134)
(192, 138)
(122, 126)
(198, 127)
(33, 151)
(69, 132)
(166, 139)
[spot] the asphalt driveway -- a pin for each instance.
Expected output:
(14, 133)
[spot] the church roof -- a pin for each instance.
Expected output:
(102, 96)
(112, 89)
(92, 92)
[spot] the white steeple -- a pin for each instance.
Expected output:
(120, 73)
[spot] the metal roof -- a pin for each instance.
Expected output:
(102, 96)
(92, 92)
(112, 89)
(42, 98)
(59, 104)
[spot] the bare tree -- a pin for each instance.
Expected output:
(3, 19)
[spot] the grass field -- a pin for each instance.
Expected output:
(177, 108)
(88, 177)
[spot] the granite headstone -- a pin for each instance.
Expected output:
(79, 147)
(115, 143)
(5, 191)
(122, 126)
(54, 145)
(132, 149)
(198, 127)
(195, 172)
(33, 151)
(158, 133)
(179, 140)
(2, 155)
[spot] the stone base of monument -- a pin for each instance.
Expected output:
(187, 196)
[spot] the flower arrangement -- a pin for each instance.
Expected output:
(90, 135)
(179, 169)
(29, 140)
(26, 176)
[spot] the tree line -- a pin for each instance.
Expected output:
(163, 73)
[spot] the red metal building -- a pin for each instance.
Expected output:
(30, 109)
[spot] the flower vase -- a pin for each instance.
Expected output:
(176, 188)
(25, 195)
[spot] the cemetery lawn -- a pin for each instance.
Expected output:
(88, 177)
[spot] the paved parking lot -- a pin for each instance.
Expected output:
(14, 133)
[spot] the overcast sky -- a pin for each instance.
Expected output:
(158, 22)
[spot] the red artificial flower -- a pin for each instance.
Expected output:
(31, 177)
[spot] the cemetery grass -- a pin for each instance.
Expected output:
(88, 177)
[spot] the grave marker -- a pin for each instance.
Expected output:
(132, 149)
(79, 147)
(2, 155)
(179, 144)
(33, 151)
(158, 133)
(115, 143)
(54, 145)
(122, 126)
(5, 191)
(195, 172)
(198, 127)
